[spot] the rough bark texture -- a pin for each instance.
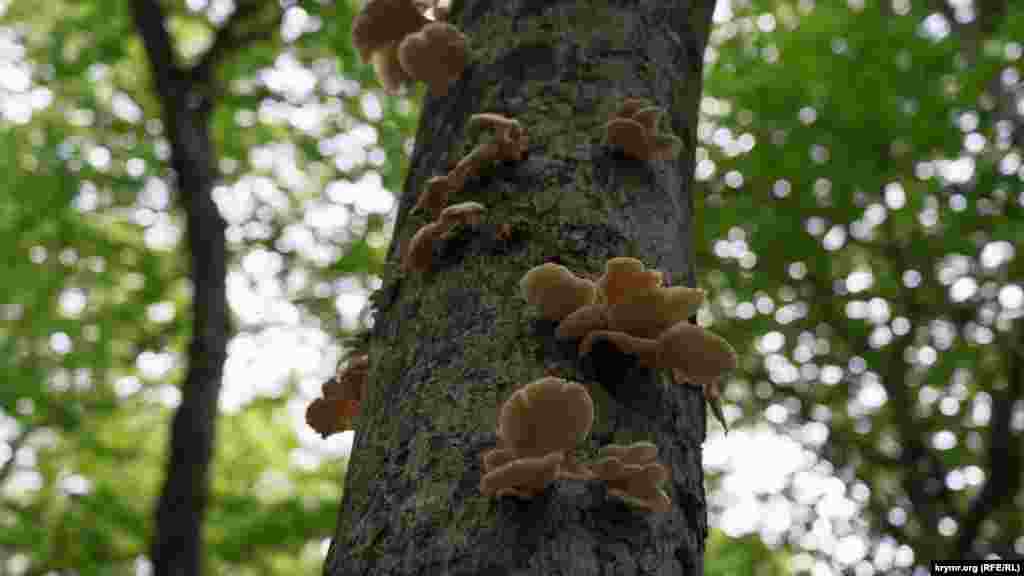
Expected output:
(449, 346)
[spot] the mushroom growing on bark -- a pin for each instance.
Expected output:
(538, 427)
(436, 55)
(634, 129)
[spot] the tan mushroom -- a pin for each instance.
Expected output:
(538, 426)
(436, 55)
(377, 31)
(556, 290)
(634, 129)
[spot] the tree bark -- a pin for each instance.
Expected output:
(449, 346)
(177, 539)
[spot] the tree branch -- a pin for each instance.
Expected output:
(228, 38)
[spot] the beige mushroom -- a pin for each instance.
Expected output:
(556, 290)
(436, 55)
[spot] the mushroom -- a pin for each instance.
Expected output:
(635, 484)
(510, 141)
(625, 277)
(634, 128)
(376, 32)
(418, 253)
(464, 213)
(350, 381)
(690, 351)
(632, 299)
(523, 477)
(537, 427)
(698, 354)
(556, 290)
(389, 70)
(649, 314)
(436, 55)
(434, 196)
(330, 415)
(583, 321)
(342, 397)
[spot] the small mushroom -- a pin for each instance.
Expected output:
(523, 477)
(699, 354)
(376, 32)
(464, 213)
(418, 253)
(556, 290)
(436, 55)
(510, 141)
(634, 128)
(330, 415)
(434, 196)
(691, 352)
(637, 485)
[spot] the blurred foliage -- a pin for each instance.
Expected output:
(94, 307)
(746, 556)
(859, 231)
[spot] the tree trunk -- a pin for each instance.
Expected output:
(449, 346)
(177, 541)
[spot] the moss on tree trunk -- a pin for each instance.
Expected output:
(448, 346)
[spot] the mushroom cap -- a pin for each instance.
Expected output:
(648, 314)
(384, 22)
(584, 320)
(626, 278)
(629, 135)
(556, 290)
(349, 382)
(434, 196)
(436, 54)
(547, 415)
(630, 106)
(419, 252)
(330, 415)
(523, 477)
(466, 213)
(637, 485)
(702, 356)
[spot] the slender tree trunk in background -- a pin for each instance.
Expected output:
(177, 540)
(448, 346)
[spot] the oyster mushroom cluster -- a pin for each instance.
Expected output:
(404, 45)
(509, 144)
(342, 397)
(538, 428)
(630, 307)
